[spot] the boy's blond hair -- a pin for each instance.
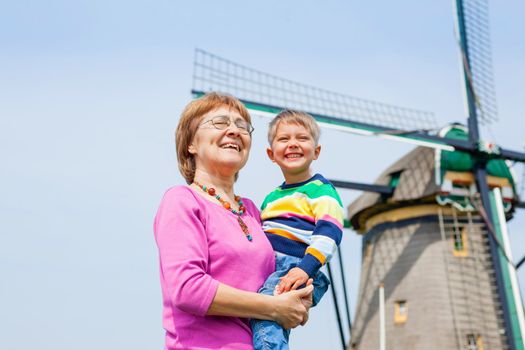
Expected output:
(290, 116)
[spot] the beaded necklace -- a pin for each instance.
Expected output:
(226, 205)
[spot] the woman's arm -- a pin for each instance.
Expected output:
(184, 254)
(288, 309)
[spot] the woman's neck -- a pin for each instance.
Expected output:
(222, 184)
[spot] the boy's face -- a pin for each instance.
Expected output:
(293, 149)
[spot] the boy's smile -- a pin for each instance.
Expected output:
(293, 149)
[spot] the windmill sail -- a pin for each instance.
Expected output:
(213, 73)
(474, 39)
(473, 34)
(267, 95)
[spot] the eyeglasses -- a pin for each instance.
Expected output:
(221, 122)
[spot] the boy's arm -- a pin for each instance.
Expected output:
(328, 211)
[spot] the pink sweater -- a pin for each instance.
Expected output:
(201, 244)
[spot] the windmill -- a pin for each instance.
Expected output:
(472, 202)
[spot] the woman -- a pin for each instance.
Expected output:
(213, 254)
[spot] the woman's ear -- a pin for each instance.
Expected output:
(269, 152)
(192, 149)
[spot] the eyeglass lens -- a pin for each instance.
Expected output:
(222, 122)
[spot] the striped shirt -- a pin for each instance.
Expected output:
(304, 220)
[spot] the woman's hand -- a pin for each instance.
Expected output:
(307, 300)
(291, 309)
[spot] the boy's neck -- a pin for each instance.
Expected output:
(291, 179)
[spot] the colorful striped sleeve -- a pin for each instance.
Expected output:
(327, 234)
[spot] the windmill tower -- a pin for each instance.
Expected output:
(428, 246)
(448, 187)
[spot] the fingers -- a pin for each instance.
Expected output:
(303, 295)
(307, 299)
(296, 285)
(277, 290)
(305, 319)
(305, 292)
(294, 312)
(293, 320)
(285, 284)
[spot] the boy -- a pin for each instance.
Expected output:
(302, 218)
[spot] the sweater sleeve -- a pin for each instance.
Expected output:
(326, 237)
(183, 251)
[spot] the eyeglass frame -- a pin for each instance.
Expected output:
(225, 117)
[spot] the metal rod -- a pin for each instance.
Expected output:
(382, 328)
(520, 204)
(512, 155)
(517, 317)
(336, 305)
(343, 280)
(520, 262)
(483, 188)
(363, 187)
(473, 127)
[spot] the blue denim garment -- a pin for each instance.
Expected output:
(269, 335)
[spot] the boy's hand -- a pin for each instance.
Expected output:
(295, 278)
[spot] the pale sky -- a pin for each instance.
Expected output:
(90, 95)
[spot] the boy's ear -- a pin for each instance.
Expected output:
(269, 152)
(317, 151)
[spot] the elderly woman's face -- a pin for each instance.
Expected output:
(222, 141)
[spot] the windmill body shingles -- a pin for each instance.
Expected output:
(408, 274)
(447, 296)
(416, 181)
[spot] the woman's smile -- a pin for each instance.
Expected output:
(225, 150)
(231, 146)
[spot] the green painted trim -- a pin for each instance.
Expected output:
(320, 119)
(514, 322)
(463, 161)
(394, 179)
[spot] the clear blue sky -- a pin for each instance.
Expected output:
(90, 95)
